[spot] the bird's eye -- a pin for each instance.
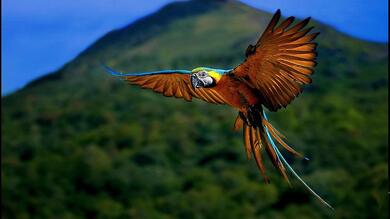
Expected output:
(202, 74)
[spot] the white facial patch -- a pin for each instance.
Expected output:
(207, 80)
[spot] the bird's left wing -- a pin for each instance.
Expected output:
(170, 83)
(281, 62)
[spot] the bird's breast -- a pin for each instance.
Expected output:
(236, 93)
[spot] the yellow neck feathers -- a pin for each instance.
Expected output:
(214, 75)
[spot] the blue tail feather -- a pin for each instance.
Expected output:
(279, 155)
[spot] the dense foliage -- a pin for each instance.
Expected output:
(79, 144)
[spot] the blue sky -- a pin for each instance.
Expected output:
(40, 36)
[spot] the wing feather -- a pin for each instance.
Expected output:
(281, 62)
(171, 83)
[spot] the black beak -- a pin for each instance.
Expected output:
(195, 82)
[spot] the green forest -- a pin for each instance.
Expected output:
(79, 143)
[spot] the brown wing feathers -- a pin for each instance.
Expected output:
(177, 85)
(281, 62)
(169, 85)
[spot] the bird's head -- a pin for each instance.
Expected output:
(205, 77)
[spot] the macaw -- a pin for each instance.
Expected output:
(272, 75)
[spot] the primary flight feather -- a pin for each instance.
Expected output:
(271, 76)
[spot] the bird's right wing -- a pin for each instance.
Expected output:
(170, 83)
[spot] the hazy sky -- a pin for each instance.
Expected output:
(40, 36)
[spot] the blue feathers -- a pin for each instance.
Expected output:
(115, 73)
(280, 156)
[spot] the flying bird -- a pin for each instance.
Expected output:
(273, 73)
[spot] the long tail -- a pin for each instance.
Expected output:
(259, 134)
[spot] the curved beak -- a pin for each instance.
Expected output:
(196, 82)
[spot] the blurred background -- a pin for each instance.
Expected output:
(77, 143)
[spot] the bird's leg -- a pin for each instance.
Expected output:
(244, 115)
(248, 114)
(254, 115)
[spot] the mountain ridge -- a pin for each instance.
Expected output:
(86, 145)
(185, 9)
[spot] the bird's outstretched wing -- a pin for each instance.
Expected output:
(170, 83)
(281, 62)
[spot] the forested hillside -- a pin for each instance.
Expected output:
(79, 143)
